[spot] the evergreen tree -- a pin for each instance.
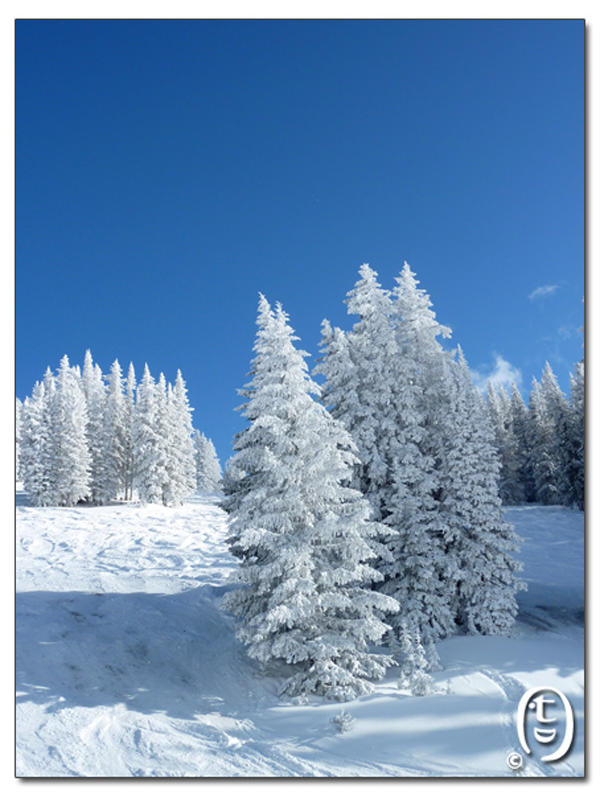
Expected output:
(500, 410)
(547, 411)
(420, 573)
(35, 448)
(150, 471)
(181, 461)
(116, 435)
(94, 391)
(576, 443)
(69, 421)
(301, 533)
(479, 541)
(129, 408)
(521, 432)
(208, 469)
(370, 418)
(18, 433)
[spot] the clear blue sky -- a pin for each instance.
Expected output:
(168, 171)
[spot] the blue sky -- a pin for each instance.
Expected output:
(168, 171)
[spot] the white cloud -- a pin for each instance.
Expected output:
(542, 290)
(502, 373)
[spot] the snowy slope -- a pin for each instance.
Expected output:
(127, 667)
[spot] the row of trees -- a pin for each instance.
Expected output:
(542, 447)
(366, 508)
(82, 436)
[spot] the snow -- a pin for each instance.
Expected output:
(127, 666)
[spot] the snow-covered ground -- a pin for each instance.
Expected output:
(127, 667)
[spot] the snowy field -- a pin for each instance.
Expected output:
(127, 667)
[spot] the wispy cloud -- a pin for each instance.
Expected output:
(502, 373)
(542, 290)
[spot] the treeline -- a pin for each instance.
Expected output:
(86, 437)
(366, 509)
(541, 446)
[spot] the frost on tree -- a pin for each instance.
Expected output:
(419, 572)
(94, 390)
(36, 445)
(208, 468)
(180, 453)
(68, 424)
(500, 410)
(115, 438)
(547, 416)
(150, 470)
(575, 476)
(480, 544)
(302, 534)
(129, 407)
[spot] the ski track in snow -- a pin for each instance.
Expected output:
(127, 667)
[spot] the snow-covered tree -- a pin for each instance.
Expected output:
(36, 465)
(129, 407)
(575, 468)
(115, 438)
(208, 468)
(181, 460)
(301, 532)
(150, 471)
(18, 433)
(68, 425)
(479, 542)
(414, 667)
(94, 391)
(547, 414)
(418, 575)
(500, 410)
(521, 432)
(370, 417)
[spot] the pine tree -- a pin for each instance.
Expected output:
(547, 410)
(181, 461)
(18, 433)
(35, 447)
(69, 420)
(208, 469)
(94, 391)
(419, 574)
(500, 410)
(414, 667)
(115, 438)
(575, 475)
(301, 533)
(150, 469)
(521, 432)
(370, 418)
(129, 409)
(480, 543)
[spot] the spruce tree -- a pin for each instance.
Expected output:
(418, 574)
(479, 542)
(149, 465)
(301, 533)
(181, 461)
(521, 432)
(208, 469)
(94, 391)
(129, 408)
(36, 466)
(69, 422)
(115, 438)
(575, 475)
